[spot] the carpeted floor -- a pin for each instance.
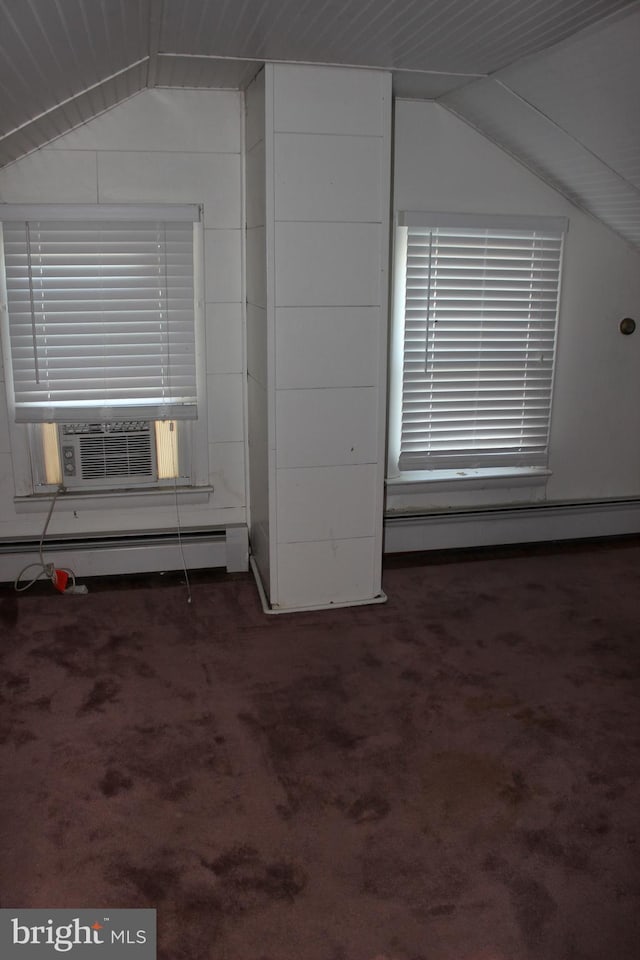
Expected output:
(450, 776)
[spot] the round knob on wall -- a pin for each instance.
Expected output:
(627, 326)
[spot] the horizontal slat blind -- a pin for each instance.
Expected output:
(101, 319)
(479, 341)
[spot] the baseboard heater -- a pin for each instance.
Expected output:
(493, 526)
(226, 547)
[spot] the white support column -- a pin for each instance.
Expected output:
(327, 139)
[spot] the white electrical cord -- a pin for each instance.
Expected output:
(47, 570)
(184, 563)
(175, 490)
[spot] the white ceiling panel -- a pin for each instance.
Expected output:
(572, 61)
(51, 50)
(58, 120)
(421, 85)
(456, 36)
(590, 86)
(176, 70)
(550, 152)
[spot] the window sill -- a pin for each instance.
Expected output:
(432, 481)
(108, 499)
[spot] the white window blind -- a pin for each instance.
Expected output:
(101, 314)
(481, 306)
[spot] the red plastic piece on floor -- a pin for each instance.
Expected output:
(59, 580)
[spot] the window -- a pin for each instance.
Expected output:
(479, 303)
(101, 328)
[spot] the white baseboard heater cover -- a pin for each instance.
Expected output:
(404, 533)
(105, 556)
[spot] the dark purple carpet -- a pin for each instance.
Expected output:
(451, 776)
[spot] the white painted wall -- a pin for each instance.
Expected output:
(441, 164)
(167, 146)
(316, 152)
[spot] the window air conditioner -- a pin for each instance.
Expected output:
(107, 455)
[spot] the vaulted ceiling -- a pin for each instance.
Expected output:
(554, 82)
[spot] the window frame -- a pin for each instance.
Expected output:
(193, 433)
(445, 477)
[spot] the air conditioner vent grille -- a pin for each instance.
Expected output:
(116, 455)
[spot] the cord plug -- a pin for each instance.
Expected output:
(59, 580)
(76, 589)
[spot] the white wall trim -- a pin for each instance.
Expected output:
(434, 481)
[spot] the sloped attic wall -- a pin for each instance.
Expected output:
(570, 113)
(186, 145)
(442, 164)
